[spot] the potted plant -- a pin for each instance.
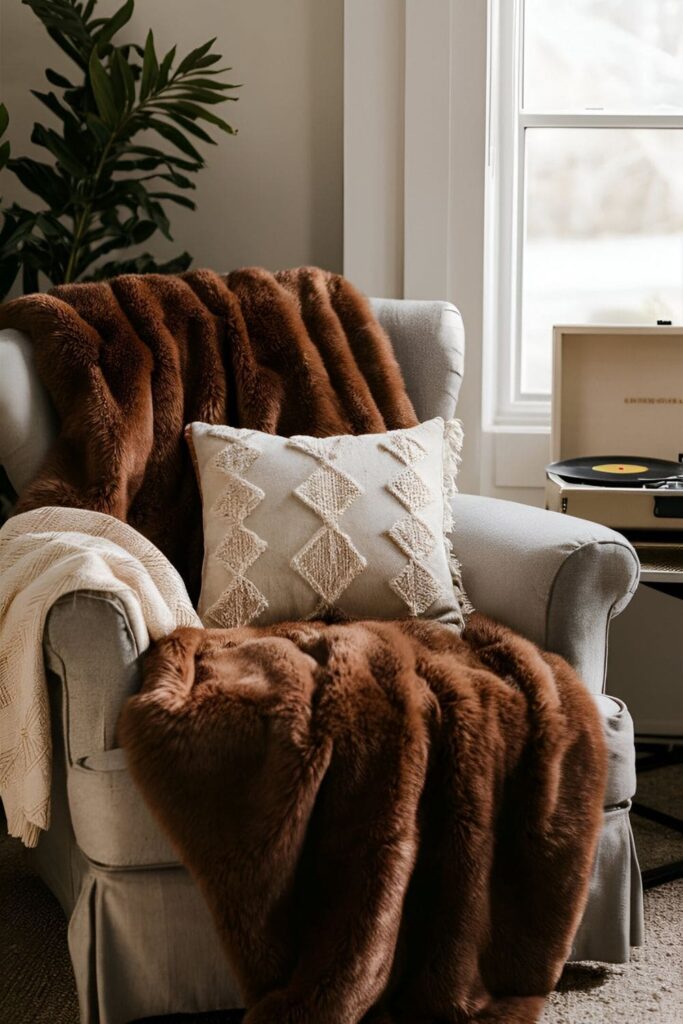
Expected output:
(106, 184)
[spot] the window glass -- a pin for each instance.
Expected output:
(617, 55)
(603, 238)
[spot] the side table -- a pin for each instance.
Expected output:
(653, 635)
(645, 666)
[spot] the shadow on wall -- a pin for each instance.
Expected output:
(273, 195)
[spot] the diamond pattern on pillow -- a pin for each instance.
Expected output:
(410, 489)
(329, 493)
(406, 448)
(417, 586)
(240, 549)
(238, 500)
(413, 537)
(238, 605)
(235, 458)
(241, 601)
(329, 563)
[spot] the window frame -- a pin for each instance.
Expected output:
(507, 123)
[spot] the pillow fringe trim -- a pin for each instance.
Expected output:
(453, 437)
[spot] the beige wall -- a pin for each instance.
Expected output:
(272, 195)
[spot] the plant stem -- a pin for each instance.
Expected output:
(84, 219)
(76, 246)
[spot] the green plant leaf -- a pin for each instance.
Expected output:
(29, 277)
(42, 180)
(98, 129)
(56, 79)
(79, 100)
(115, 23)
(208, 61)
(143, 230)
(49, 100)
(127, 49)
(4, 146)
(194, 110)
(150, 68)
(176, 265)
(178, 179)
(65, 156)
(52, 228)
(103, 91)
(143, 164)
(195, 96)
(208, 83)
(17, 226)
(173, 197)
(125, 71)
(9, 269)
(118, 84)
(192, 128)
(68, 48)
(165, 68)
(194, 56)
(176, 161)
(171, 134)
(157, 214)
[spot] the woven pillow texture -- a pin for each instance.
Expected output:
(348, 527)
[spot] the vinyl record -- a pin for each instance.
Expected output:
(616, 470)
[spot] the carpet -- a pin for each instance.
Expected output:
(37, 986)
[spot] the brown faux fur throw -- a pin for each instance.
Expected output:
(389, 823)
(129, 362)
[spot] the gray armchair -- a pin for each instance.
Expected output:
(141, 939)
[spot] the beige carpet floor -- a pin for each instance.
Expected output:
(648, 990)
(37, 987)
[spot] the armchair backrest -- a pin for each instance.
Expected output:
(27, 420)
(429, 342)
(428, 339)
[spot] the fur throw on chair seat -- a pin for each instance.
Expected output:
(390, 823)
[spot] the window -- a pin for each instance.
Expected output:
(585, 186)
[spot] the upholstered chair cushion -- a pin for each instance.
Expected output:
(27, 419)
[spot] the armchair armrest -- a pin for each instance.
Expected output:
(89, 643)
(556, 579)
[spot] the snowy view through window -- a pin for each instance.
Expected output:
(604, 205)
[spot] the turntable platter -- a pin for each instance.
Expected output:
(616, 470)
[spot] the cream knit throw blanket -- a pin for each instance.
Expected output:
(44, 554)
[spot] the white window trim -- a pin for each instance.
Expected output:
(505, 406)
(414, 145)
(399, 54)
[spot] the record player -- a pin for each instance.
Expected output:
(617, 426)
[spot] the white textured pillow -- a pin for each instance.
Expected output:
(307, 527)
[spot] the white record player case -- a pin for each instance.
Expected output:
(617, 391)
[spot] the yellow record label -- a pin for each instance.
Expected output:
(620, 467)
